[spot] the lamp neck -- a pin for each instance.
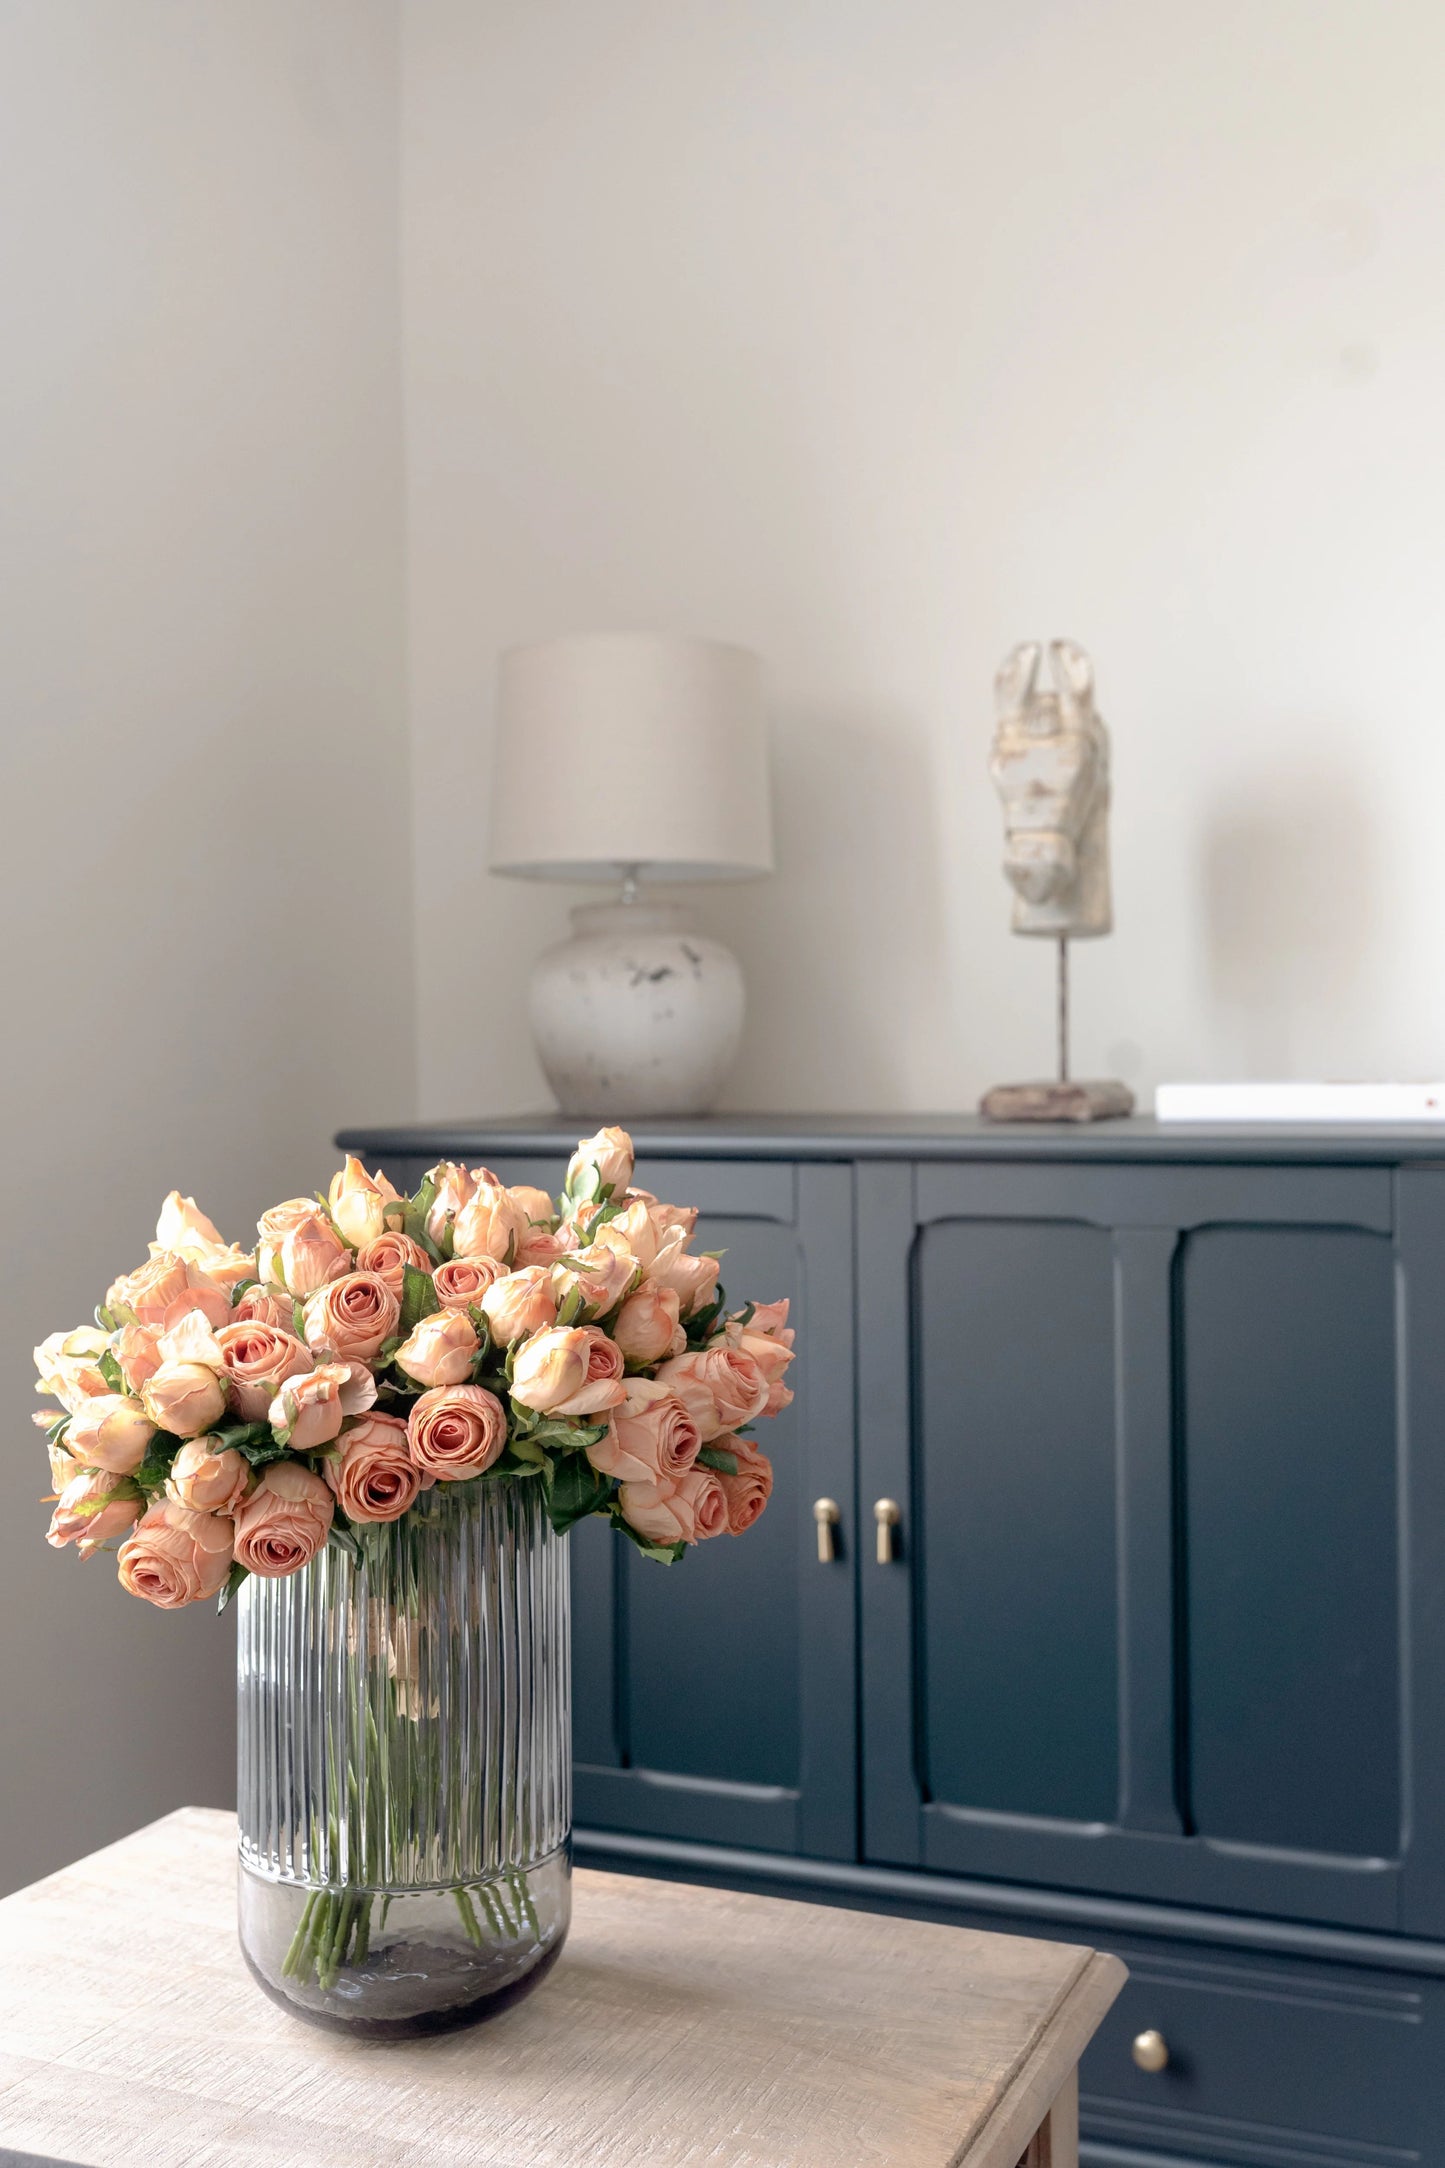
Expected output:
(631, 885)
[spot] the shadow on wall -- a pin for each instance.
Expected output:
(1292, 908)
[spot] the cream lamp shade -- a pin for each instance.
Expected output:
(621, 751)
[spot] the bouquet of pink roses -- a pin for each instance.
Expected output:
(231, 1412)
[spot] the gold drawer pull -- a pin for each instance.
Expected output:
(827, 1514)
(887, 1513)
(1151, 2050)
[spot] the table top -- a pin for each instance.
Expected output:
(681, 2025)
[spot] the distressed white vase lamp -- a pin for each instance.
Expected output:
(633, 757)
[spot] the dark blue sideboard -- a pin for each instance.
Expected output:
(1157, 1657)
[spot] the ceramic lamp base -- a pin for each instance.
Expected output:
(638, 1013)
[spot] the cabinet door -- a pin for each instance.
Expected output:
(1147, 1630)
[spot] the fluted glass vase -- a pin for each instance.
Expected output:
(404, 1766)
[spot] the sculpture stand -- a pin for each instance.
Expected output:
(1067, 1099)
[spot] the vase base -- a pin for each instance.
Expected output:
(421, 2023)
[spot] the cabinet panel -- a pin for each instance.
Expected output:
(1015, 1516)
(1287, 1347)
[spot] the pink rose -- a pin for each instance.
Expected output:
(692, 1279)
(137, 1350)
(163, 1290)
(603, 1272)
(261, 1306)
(174, 1556)
(91, 1510)
(651, 1436)
(258, 1360)
(646, 1327)
(667, 1216)
(68, 1363)
(461, 1282)
(601, 1162)
(307, 1412)
(185, 1398)
(110, 1431)
(768, 1339)
(272, 1229)
(311, 1254)
(720, 1387)
(676, 1509)
(350, 1317)
(543, 1246)
(749, 1490)
(454, 1187)
(362, 1205)
(284, 1522)
(374, 1476)
(520, 1303)
(573, 1371)
(490, 1224)
(637, 1231)
(206, 1481)
(440, 1349)
(388, 1256)
(456, 1431)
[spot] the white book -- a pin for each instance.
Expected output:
(1299, 1102)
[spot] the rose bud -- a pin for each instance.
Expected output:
(260, 1306)
(183, 1226)
(284, 1522)
(440, 1349)
(609, 1155)
(272, 1229)
(692, 1279)
(490, 1224)
(388, 1256)
(461, 1282)
(676, 1509)
(374, 1476)
(454, 1188)
(456, 1431)
(91, 1510)
(360, 1203)
(749, 1490)
(67, 1366)
(185, 1398)
(136, 1349)
(110, 1431)
(602, 1272)
(311, 1254)
(307, 1412)
(651, 1435)
(520, 1303)
(258, 1360)
(64, 1467)
(174, 1556)
(543, 1246)
(206, 1481)
(537, 1205)
(350, 1317)
(646, 1327)
(721, 1388)
(576, 1371)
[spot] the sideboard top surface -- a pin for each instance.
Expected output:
(921, 1136)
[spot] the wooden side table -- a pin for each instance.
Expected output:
(682, 2025)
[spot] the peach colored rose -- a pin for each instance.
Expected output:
(749, 1490)
(258, 1359)
(184, 1398)
(163, 1291)
(284, 1522)
(646, 1327)
(537, 1205)
(311, 1255)
(666, 1216)
(456, 1431)
(207, 1481)
(543, 1246)
(636, 1231)
(92, 1509)
(454, 1188)
(676, 1509)
(307, 1412)
(136, 1349)
(720, 1387)
(272, 1229)
(608, 1157)
(490, 1224)
(692, 1279)
(373, 1475)
(461, 1282)
(64, 1467)
(362, 1205)
(651, 1436)
(440, 1349)
(768, 1339)
(174, 1556)
(350, 1317)
(109, 1430)
(388, 1256)
(520, 1303)
(604, 1274)
(67, 1366)
(262, 1306)
(183, 1226)
(573, 1371)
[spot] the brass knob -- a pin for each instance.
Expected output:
(1151, 2050)
(887, 1513)
(827, 1514)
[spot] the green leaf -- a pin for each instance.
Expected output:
(414, 1218)
(56, 1430)
(104, 1319)
(298, 1319)
(585, 1184)
(256, 1442)
(666, 1554)
(234, 1579)
(342, 1537)
(573, 1306)
(528, 1452)
(242, 1287)
(713, 1457)
(150, 1476)
(419, 1299)
(577, 1490)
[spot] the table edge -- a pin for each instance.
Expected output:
(1036, 2084)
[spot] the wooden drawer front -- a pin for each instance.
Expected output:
(1271, 2063)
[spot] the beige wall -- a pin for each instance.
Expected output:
(882, 336)
(206, 863)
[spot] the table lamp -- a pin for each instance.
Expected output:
(619, 756)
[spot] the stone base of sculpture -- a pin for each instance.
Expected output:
(1089, 1100)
